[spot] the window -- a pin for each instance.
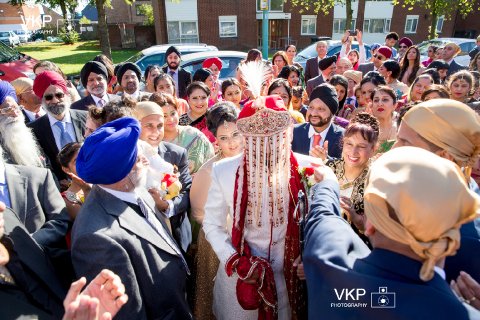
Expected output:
(137, 10)
(309, 25)
(339, 25)
(182, 31)
(227, 26)
(376, 25)
(273, 5)
(411, 24)
(440, 24)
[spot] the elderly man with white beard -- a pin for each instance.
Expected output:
(94, 77)
(13, 130)
(60, 125)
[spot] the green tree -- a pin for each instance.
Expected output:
(325, 7)
(66, 6)
(147, 11)
(85, 20)
(439, 8)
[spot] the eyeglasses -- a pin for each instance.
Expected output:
(379, 57)
(58, 95)
(403, 46)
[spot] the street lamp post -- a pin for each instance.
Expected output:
(264, 7)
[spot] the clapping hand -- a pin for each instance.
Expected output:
(320, 152)
(101, 299)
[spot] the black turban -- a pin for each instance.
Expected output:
(92, 66)
(327, 94)
(128, 66)
(172, 49)
(201, 75)
(327, 62)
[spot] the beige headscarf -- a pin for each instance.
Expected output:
(450, 125)
(22, 85)
(146, 108)
(430, 200)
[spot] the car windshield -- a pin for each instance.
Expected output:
(4, 34)
(229, 66)
(423, 47)
(8, 54)
(20, 32)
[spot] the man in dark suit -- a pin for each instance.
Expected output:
(319, 135)
(449, 52)
(30, 104)
(30, 284)
(119, 227)
(311, 67)
(181, 77)
(60, 125)
(328, 67)
(129, 75)
(94, 77)
(420, 128)
(383, 53)
(401, 277)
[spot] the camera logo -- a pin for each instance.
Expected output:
(382, 298)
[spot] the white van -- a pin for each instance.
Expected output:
(23, 35)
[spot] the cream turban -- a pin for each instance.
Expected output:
(430, 201)
(22, 85)
(146, 108)
(450, 125)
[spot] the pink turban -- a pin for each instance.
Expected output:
(45, 79)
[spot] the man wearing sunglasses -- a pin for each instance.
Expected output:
(383, 53)
(403, 46)
(60, 125)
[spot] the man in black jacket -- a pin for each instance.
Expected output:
(181, 77)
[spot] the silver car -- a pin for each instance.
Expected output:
(230, 60)
(9, 38)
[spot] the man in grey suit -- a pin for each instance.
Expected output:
(119, 227)
(60, 125)
(311, 68)
(328, 68)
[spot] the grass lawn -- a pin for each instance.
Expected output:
(71, 58)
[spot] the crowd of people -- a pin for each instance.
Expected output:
(264, 196)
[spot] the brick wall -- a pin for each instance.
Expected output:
(468, 26)
(208, 23)
(121, 12)
(424, 21)
(144, 36)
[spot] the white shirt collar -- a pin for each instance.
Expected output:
(31, 115)
(323, 134)
(66, 118)
(129, 196)
(440, 272)
(96, 99)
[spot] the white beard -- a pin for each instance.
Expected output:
(19, 142)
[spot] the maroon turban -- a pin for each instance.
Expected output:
(45, 79)
(406, 41)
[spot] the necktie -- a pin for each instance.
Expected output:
(158, 227)
(316, 139)
(64, 136)
(172, 73)
(101, 103)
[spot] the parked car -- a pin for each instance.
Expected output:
(156, 54)
(230, 60)
(465, 44)
(334, 47)
(14, 64)
(9, 38)
(23, 35)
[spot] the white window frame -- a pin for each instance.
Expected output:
(183, 38)
(338, 21)
(442, 19)
(227, 19)
(412, 18)
(308, 18)
(386, 25)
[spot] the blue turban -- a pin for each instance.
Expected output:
(110, 152)
(7, 90)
